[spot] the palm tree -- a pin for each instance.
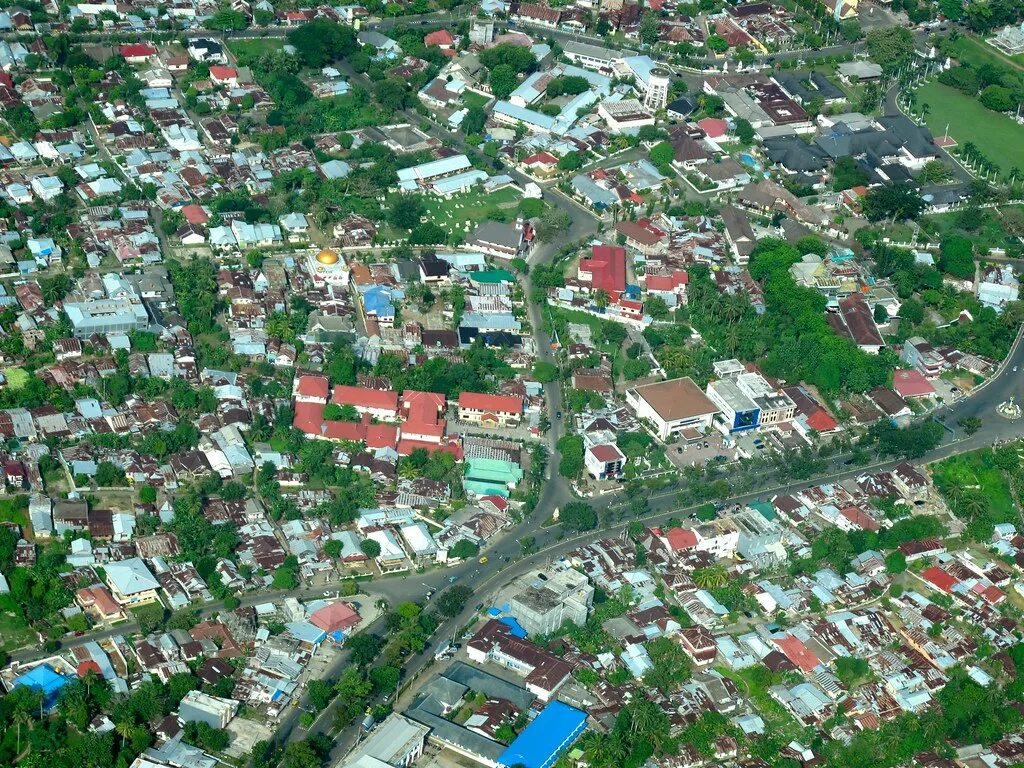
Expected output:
(712, 577)
(21, 716)
(124, 729)
(601, 298)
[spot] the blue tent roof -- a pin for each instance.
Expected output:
(552, 732)
(44, 678)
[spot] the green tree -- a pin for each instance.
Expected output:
(570, 161)
(370, 548)
(671, 666)
(649, 28)
(998, 99)
(896, 201)
(890, 47)
(895, 562)
(956, 256)
(848, 173)
(463, 550)
(662, 154)
(503, 80)
(744, 131)
(453, 600)
(577, 516)
(570, 448)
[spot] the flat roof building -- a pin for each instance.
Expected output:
(397, 742)
(672, 406)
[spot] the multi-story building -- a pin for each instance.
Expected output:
(199, 707)
(544, 601)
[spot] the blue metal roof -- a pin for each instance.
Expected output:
(552, 732)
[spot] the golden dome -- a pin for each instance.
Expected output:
(327, 256)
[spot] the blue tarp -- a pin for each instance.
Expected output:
(552, 732)
(514, 626)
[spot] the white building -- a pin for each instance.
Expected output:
(672, 407)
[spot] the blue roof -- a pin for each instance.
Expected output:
(514, 627)
(305, 632)
(44, 678)
(552, 732)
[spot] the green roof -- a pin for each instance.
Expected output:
(765, 508)
(493, 276)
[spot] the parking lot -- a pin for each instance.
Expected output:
(698, 453)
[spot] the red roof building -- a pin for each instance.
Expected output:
(605, 269)
(136, 53)
(679, 539)
(713, 127)
(673, 283)
(490, 410)
(540, 160)
(312, 389)
(195, 214)
(377, 402)
(910, 382)
(798, 653)
(422, 412)
(336, 617)
(221, 74)
(939, 579)
(442, 38)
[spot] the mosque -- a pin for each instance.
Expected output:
(327, 266)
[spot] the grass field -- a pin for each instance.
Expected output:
(14, 632)
(245, 50)
(971, 50)
(474, 99)
(471, 208)
(16, 377)
(13, 512)
(998, 137)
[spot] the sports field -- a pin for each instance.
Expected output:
(997, 136)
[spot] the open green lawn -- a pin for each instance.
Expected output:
(998, 137)
(245, 50)
(13, 512)
(470, 208)
(474, 99)
(990, 235)
(970, 50)
(14, 632)
(16, 377)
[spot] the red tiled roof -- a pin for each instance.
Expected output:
(195, 214)
(606, 453)
(361, 397)
(339, 615)
(607, 266)
(713, 127)
(440, 37)
(223, 73)
(821, 421)
(478, 401)
(134, 50)
(797, 652)
(909, 382)
(938, 578)
(680, 538)
(541, 158)
(313, 386)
